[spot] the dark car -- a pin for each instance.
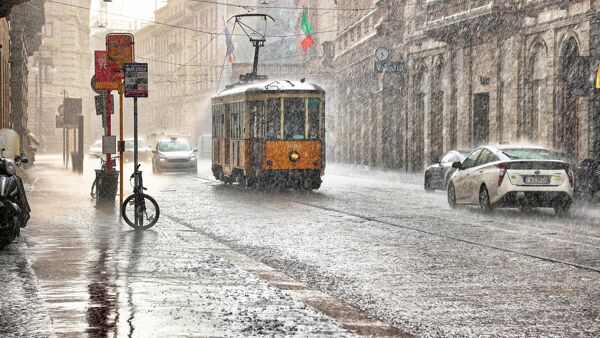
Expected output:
(587, 180)
(144, 151)
(174, 155)
(438, 174)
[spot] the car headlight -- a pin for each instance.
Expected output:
(193, 158)
(162, 159)
(10, 168)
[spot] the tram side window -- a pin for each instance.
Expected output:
(313, 118)
(237, 120)
(294, 119)
(273, 118)
(218, 121)
(257, 119)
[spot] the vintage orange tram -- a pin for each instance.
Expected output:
(270, 132)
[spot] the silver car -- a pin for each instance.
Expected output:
(174, 155)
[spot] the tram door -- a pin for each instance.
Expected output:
(481, 118)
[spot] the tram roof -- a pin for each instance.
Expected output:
(270, 86)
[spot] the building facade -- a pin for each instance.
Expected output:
(61, 68)
(4, 73)
(184, 52)
(26, 24)
(476, 72)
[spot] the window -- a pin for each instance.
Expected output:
(471, 159)
(530, 154)
(257, 119)
(486, 157)
(218, 121)
(294, 119)
(237, 120)
(313, 118)
(450, 157)
(48, 29)
(273, 118)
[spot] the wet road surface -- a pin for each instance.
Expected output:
(371, 255)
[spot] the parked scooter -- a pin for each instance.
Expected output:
(14, 208)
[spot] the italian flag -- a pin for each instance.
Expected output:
(307, 29)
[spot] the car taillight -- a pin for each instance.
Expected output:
(503, 168)
(571, 178)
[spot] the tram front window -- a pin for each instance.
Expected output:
(294, 119)
(273, 118)
(313, 118)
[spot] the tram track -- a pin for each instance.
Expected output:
(454, 238)
(441, 235)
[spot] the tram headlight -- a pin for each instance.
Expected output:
(294, 156)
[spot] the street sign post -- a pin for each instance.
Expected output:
(102, 104)
(73, 108)
(136, 79)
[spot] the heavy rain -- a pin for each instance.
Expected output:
(280, 168)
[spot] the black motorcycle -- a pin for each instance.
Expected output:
(14, 208)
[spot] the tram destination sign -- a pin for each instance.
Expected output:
(390, 66)
(136, 79)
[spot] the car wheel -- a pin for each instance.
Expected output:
(484, 200)
(451, 196)
(427, 184)
(562, 209)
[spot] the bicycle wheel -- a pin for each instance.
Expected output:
(147, 213)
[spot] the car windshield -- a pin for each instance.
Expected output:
(141, 144)
(169, 146)
(529, 154)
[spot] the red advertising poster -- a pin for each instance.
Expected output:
(105, 77)
(120, 51)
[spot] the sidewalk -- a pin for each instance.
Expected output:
(92, 274)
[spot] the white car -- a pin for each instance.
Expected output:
(512, 176)
(96, 149)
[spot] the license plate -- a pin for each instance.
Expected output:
(536, 179)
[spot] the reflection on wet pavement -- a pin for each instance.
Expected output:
(85, 273)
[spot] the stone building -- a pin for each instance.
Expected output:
(26, 24)
(475, 72)
(4, 73)
(61, 68)
(187, 65)
(20, 25)
(184, 54)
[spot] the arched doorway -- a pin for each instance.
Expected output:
(537, 94)
(418, 122)
(566, 125)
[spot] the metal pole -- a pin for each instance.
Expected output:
(135, 154)
(135, 133)
(121, 148)
(64, 146)
(108, 129)
(67, 150)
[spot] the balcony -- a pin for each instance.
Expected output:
(450, 20)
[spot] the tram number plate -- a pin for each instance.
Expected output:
(536, 179)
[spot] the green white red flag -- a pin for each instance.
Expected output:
(307, 29)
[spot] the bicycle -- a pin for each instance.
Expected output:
(101, 174)
(139, 210)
